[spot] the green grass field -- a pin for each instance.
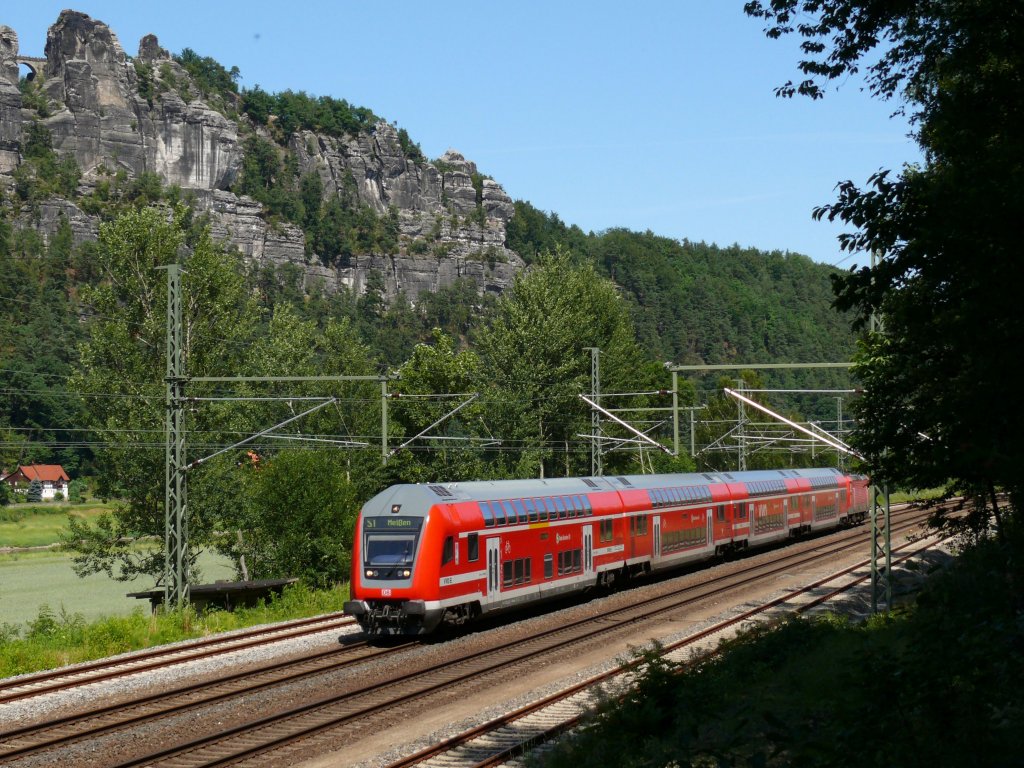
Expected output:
(36, 525)
(31, 579)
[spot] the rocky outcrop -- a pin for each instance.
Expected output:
(105, 123)
(10, 101)
(113, 113)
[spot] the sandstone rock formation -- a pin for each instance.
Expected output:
(10, 101)
(99, 112)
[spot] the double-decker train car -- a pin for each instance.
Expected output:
(427, 554)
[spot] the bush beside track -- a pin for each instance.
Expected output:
(940, 682)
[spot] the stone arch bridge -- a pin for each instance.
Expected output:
(36, 65)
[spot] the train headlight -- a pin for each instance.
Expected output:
(370, 574)
(407, 573)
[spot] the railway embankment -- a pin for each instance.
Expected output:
(937, 682)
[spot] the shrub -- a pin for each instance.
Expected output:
(76, 491)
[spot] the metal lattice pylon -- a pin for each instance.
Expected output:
(881, 550)
(176, 521)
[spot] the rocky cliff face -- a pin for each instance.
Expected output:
(10, 101)
(97, 113)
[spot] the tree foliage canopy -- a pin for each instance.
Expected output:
(940, 396)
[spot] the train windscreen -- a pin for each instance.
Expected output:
(389, 548)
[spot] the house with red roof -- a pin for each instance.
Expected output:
(53, 477)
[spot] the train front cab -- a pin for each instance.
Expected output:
(391, 576)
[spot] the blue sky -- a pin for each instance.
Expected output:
(653, 114)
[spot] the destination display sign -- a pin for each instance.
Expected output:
(392, 523)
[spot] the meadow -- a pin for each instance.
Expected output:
(32, 578)
(49, 616)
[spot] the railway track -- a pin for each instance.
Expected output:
(353, 708)
(348, 712)
(540, 722)
(70, 729)
(37, 684)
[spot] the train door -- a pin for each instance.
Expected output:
(656, 544)
(588, 550)
(711, 529)
(493, 565)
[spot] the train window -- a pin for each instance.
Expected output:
(676, 496)
(541, 512)
(520, 510)
(485, 510)
(473, 547)
(721, 513)
(577, 559)
(741, 512)
(527, 570)
(588, 510)
(506, 573)
(606, 530)
(578, 506)
(560, 506)
(448, 550)
(518, 568)
(548, 566)
(510, 512)
(499, 513)
(389, 549)
(552, 510)
(531, 511)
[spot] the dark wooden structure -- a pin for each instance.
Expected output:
(223, 595)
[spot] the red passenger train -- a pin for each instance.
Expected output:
(424, 554)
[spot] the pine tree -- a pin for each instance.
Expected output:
(35, 490)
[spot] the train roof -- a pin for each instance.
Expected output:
(486, 490)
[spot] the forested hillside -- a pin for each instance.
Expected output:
(701, 303)
(417, 284)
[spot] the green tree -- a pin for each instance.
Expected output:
(536, 351)
(939, 396)
(435, 380)
(35, 491)
(301, 517)
(291, 512)
(120, 370)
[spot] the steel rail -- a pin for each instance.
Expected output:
(294, 669)
(155, 658)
